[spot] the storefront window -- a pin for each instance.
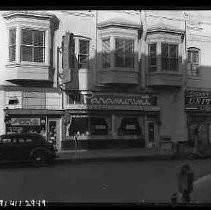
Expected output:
(78, 126)
(98, 126)
(129, 126)
(85, 126)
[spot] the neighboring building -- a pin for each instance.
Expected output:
(106, 78)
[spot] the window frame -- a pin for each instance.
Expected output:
(32, 45)
(154, 57)
(192, 64)
(132, 55)
(12, 45)
(86, 64)
(105, 54)
(169, 58)
(46, 43)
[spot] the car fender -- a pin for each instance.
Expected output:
(39, 149)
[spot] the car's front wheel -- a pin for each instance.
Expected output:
(39, 158)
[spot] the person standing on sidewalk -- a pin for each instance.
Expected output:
(196, 139)
(185, 183)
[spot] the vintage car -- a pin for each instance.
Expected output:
(26, 147)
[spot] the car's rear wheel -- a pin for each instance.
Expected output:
(39, 158)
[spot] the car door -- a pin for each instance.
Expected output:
(24, 145)
(7, 149)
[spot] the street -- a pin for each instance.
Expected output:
(111, 181)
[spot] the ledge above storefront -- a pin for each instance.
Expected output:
(163, 79)
(118, 77)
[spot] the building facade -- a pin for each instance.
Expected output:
(117, 78)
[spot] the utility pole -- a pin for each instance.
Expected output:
(186, 52)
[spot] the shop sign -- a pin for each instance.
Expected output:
(198, 100)
(25, 121)
(140, 100)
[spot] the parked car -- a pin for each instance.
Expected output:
(26, 147)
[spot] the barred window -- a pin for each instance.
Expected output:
(106, 53)
(152, 59)
(193, 61)
(32, 45)
(124, 53)
(169, 54)
(83, 56)
(12, 44)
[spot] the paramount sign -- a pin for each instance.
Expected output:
(140, 100)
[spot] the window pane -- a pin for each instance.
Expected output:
(12, 52)
(152, 61)
(173, 64)
(129, 46)
(164, 50)
(119, 46)
(106, 53)
(98, 126)
(129, 61)
(195, 57)
(106, 45)
(164, 64)
(84, 46)
(78, 126)
(27, 37)
(152, 50)
(39, 38)
(173, 51)
(26, 53)
(12, 36)
(119, 60)
(129, 126)
(39, 54)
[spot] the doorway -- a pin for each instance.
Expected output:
(151, 133)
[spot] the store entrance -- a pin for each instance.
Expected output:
(151, 133)
(54, 132)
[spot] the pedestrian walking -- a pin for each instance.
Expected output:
(185, 182)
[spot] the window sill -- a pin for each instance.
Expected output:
(32, 64)
(123, 69)
(165, 72)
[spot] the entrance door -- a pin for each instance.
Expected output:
(151, 132)
(54, 132)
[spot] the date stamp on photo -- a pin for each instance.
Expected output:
(32, 202)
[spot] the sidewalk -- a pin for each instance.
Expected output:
(114, 154)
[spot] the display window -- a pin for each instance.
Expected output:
(99, 126)
(129, 126)
(86, 126)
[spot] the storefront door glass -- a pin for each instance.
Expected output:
(151, 132)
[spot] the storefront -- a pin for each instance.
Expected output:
(111, 120)
(45, 122)
(198, 109)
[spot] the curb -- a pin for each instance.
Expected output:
(124, 158)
